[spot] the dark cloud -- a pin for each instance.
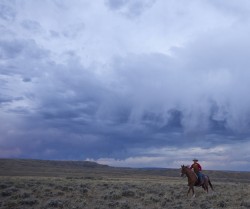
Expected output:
(32, 25)
(13, 49)
(145, 109)
(27, 79)
(8, 99)
(23, 57)
(84, 91)
(72, 31)
(130, 8)
(116, 4)
(7, 13)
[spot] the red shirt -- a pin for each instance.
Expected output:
(196, 167)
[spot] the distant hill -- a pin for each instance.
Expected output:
(40, 167)
(49, 163)
(55, 168)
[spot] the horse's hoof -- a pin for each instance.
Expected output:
(193, 196)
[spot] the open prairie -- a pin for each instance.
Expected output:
(68, 184)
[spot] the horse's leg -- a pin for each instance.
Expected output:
(206, 186)
(193, 191)
(189, 190)
(210, 184)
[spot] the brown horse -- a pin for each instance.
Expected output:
(193, 179)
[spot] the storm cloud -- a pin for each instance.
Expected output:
(126, 83)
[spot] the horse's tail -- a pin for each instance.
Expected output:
(210, 184)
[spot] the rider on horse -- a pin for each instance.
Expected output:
(197, 169)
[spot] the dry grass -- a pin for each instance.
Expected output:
(98, 193)
(118, 188)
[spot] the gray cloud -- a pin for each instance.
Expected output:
(31, 25)
(7, 13)
(13, 49)
(83, 91)
(130, 8)
(8, 99)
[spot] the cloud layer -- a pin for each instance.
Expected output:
(126, 83)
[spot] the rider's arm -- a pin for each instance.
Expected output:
(199, 166)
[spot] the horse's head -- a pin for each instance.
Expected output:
(184, 170)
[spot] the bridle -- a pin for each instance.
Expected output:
(183, 174)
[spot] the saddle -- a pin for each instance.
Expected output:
(201, 181)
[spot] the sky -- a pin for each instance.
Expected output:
(134, 83)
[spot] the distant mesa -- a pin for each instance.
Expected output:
(33, 164)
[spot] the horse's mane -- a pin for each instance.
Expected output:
(187, 167)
